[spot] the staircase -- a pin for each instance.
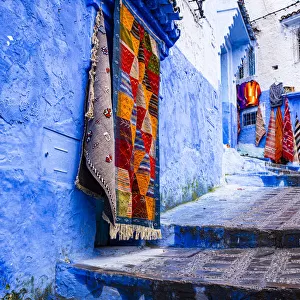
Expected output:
(238, 242)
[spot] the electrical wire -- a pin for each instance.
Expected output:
(274, 12)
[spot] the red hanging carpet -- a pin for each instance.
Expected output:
(288, 139)
(278, 135)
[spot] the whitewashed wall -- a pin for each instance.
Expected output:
(276, 44)
(198, 40)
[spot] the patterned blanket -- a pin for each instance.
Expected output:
(278, 135)
(120, 158)
(260, 127)
(136, 95)
(288, 135)
(96, 175)
(297, 136)
(270, 141)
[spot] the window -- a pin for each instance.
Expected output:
(249, 118)
(241, 70)
(251, 62)
(247, 67)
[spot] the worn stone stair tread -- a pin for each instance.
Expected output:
(235, 216)
(205, 273)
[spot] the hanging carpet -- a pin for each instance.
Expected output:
(288, 138)
(270, 141)
(278, 135)
(120, 148)
(260, 127)
(96, 175)
(136, 77)
(297, 136)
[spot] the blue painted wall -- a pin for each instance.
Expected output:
(190, 132)
(44, 59)
(247, 135)
(229, 117)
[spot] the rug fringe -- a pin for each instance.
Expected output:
(126, 232)
(85, 190)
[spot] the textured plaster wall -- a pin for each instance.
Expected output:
(44, 57)
(277, 44)
(190, 132)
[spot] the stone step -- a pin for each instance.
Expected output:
(169, 273)
(234, 216)
(264, 179)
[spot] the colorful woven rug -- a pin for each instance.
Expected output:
(278, 135)
(120, 158)
(288, 138)
(96, 174)
(270, 141)
(260, 127)
(297, 136)
(136, 79)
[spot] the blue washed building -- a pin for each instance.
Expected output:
(278, 30)
(45, 59)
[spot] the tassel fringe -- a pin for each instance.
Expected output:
(92, 72)
(126, 232)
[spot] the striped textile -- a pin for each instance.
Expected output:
(296, 158)
(260, 127)
(238, 122)
(278, 135)
(297, 136)
(270, 142)
(288, 139)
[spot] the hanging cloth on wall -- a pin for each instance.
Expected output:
(278, 135)
(238, 122)
(252, 93)
(136, 75)
(296, 158)
(276, 92)
(297, 136)
(260, 127)
(270, 141)
(96, 175)
(240, 92)
(288, 139)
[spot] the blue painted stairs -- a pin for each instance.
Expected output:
(237, 242)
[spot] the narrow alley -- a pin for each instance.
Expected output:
(236, 242)
(150, 149)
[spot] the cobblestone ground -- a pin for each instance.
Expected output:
(268, 216)
(242, 207)
(253, 268)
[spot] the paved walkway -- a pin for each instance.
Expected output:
(184, 274)
(253, 268)
(246, 246)
(242, 207)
